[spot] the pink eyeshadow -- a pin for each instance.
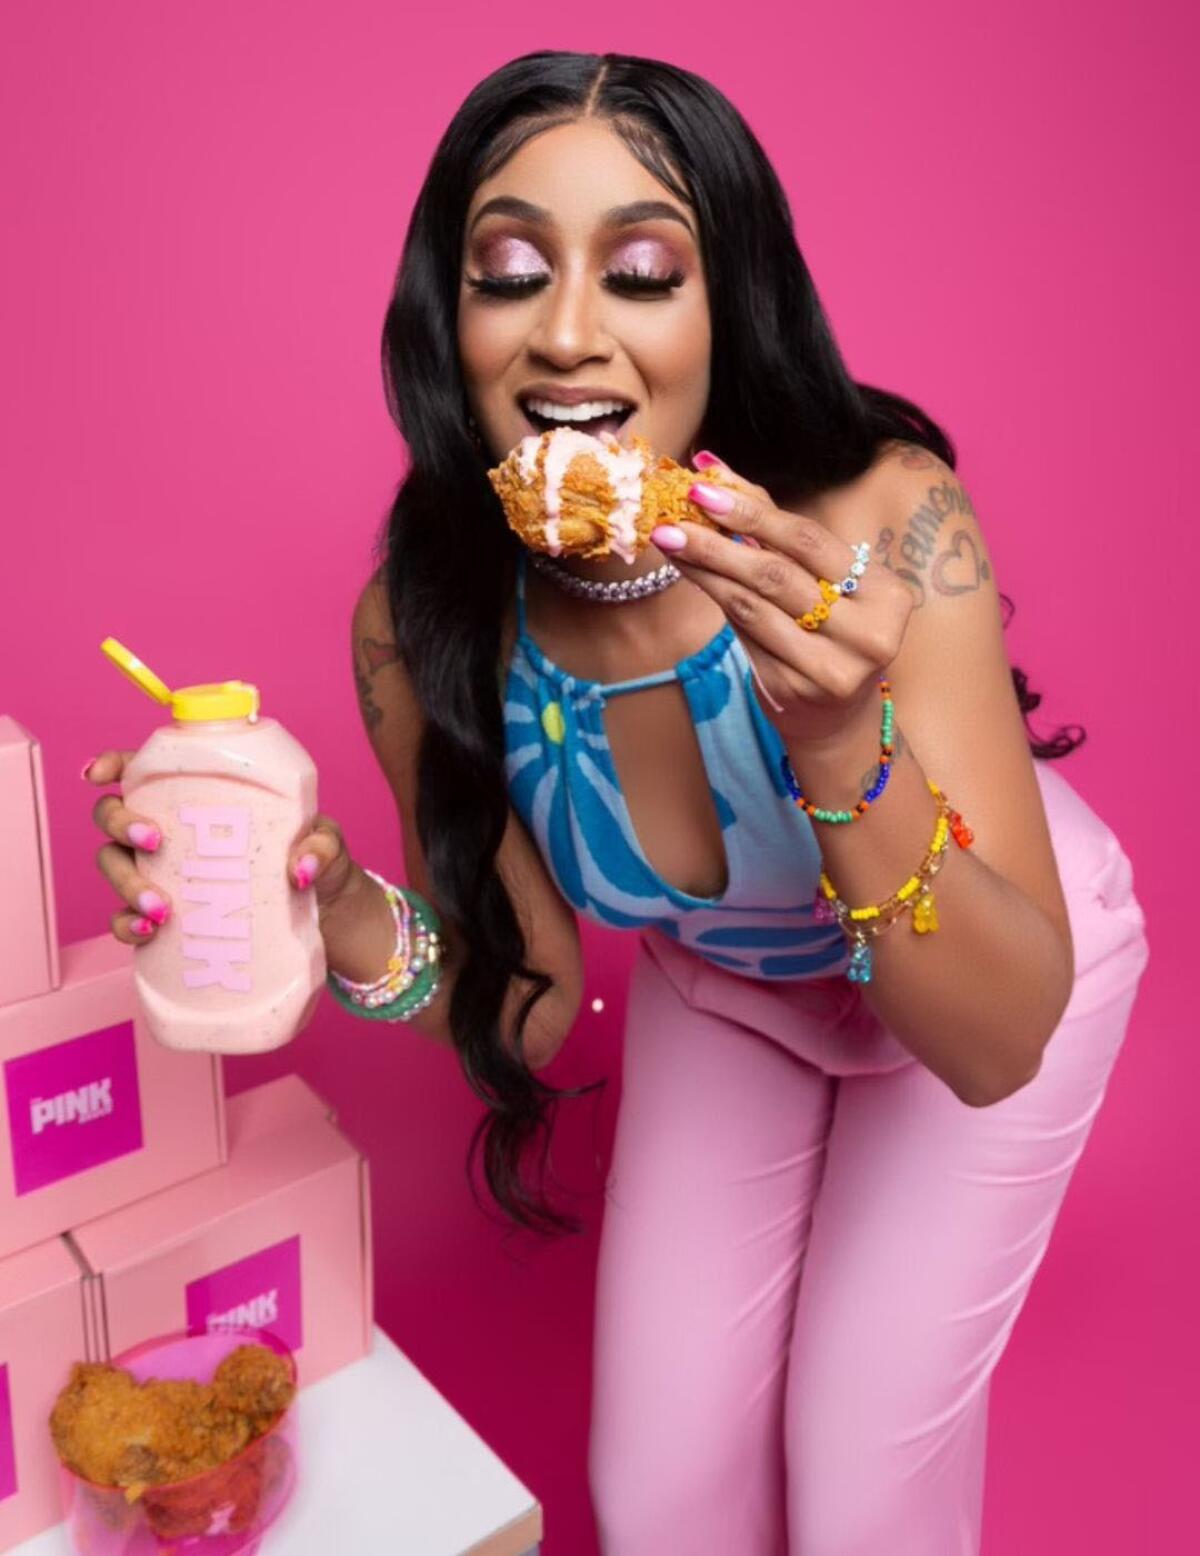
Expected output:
(645, 257)
(509, 256)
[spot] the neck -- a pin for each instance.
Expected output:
(624, 620)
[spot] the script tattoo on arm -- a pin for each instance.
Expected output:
(371, 654)
(960, 567)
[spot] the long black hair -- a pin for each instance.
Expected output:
(783, 411)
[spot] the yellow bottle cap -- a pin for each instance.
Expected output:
(211, 700)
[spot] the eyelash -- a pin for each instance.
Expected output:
(628, 280)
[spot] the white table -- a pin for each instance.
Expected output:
(388, 1465)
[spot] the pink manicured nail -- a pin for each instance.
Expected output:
(84, 770)
(704, 459)
(306, 869)
(141, 926)
(669, 537)
(153, 906)
(711, 497)
(143, 836)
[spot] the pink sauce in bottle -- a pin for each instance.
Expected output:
(239, 966)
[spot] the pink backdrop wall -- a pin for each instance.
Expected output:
(205, 208)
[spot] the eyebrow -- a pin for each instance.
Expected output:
(617, 216)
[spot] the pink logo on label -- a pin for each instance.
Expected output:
(261, 1291)
(73, 1106)
(8, 1456)
(217, 876)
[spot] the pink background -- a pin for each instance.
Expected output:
(205, 209)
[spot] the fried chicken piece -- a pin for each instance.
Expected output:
(256, 1382)
(115, 1431)
(568, 493)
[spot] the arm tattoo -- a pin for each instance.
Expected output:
(371, 654)
(899, 747)
(960, 567)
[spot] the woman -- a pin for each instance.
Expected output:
(839, 1153)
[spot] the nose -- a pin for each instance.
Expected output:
(570, 323)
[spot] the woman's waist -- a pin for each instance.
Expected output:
(822, 1019)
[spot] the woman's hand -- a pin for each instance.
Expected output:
(317, 860)
(146, 907)
(816, 685)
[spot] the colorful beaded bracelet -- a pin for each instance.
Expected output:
(411, 978)
(412, 966)
(413, 953)
(398, 1006)
(886, 725)
(403, 1010)
(828, 905)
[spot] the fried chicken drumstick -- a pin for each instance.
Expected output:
(568, 493)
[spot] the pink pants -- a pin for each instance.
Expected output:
(813, 1254)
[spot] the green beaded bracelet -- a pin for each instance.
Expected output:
(363, 999)
(419, 994)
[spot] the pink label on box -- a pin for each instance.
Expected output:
(8, 1458)
(73, 1106)
(261, 1290)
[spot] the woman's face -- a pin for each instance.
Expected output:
(573, 319)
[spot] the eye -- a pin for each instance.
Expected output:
(505, 286)
(635, 281)
(629, 281)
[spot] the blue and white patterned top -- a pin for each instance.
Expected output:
(564, 785)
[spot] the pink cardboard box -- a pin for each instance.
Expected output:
(93, 1111)
(279, 1237)
(28, 925)
(273, 1105)
(41, 1334)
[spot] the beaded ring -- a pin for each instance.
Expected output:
(886, 725)
(811, 620)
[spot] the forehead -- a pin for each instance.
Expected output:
(576, 173)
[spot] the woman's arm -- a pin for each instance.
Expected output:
(360, 940)
(978, 999)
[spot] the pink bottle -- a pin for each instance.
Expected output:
(239, 966)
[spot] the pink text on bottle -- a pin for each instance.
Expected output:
(217, 877)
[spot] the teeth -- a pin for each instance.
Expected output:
(589, 410)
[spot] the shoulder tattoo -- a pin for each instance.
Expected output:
(937, 550)
(370, 655)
